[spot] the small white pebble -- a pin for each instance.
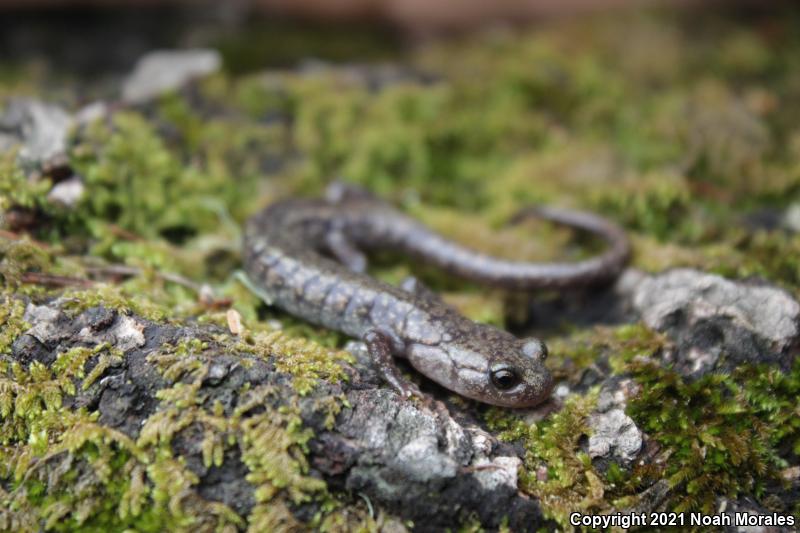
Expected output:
(206, 294)
(161, 71)
(791, 474)
(91, 112)
(791, 219)
(67, 193)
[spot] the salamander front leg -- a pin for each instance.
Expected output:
(379, 346)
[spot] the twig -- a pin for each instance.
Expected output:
(52, 280)
(204, 292)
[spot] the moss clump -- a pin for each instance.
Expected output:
(12, 311)
(725, 435)
(141, 484)
(571, 483)
(728, 435)
(572, 354)
(19, 257)
(306, 361)
(16, 190)
(159, 494)
(36, 391)
(556, 471)
(654, 204)
(771, 255)
(78, 300)
(44, 447)
(271, 439)
(273, 449)
(137, 183)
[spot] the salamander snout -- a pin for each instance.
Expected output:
(493, 367)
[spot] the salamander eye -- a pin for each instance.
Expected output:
(504, 378)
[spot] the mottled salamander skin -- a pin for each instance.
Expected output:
(288, 250)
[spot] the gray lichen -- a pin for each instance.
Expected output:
(713, 318)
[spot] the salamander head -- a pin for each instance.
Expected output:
(488, 365)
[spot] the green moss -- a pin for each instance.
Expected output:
(273, 441)
(36, 392)
(12, 324)
(20, 256)
(555, 470)
(570, 355)
(36, 430)
(406, 137)
(16, 190)
(357, 518)
(78, 300)
(305, 360)
(136, 182)
(724, 434)
(37, 435)
(141, 485)
(655, 204)
(772, 255)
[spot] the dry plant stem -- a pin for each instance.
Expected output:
(51, 280)
(130, 271)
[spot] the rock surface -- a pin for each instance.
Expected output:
(40, 129)
(419, 463)
(718, 323)
(166, 70)
(404, 454)
(747, 516)
(614, 434)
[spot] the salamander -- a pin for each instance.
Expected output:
(307, 257)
